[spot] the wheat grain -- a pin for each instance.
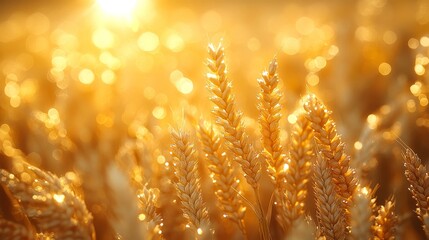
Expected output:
(188, 185)
(229, 117)
(417, 176)
(224, 178)
(330, 215)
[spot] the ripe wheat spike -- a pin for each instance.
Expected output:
(188, 184)
(332, 149)
(229, 117)
(330, 215)
(224, 178)
(270, 115)
(417, 175)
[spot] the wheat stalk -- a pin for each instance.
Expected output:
(124, 205)
(362, 218)
(270, 115)
(417, 176)
(188, 184)
(229, 117)
(225, 181)
(332, 149)
(293, 190)
(330, 214)
(385, 222)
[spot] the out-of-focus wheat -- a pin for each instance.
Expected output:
(362, 218)
(224, 177)
(48, 201)
(11, 230)
(188, 184)
(148, 198)
(293, 191)
(125, 219)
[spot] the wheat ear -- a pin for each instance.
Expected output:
(328, 203)
(188, 184)
(231, 120)
(223, 175)
(270, 115)
(385, 222)
(417, 176)
(297, 172)
(332, 149)
(148, 198)
(229, 117)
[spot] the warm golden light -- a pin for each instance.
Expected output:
(59, 198)
(86, 76)
(292, 118)
(145, 119)
(119, 8)
(358, 145)
(372, 120)
(148, 41)
(384, 69)
(103, 38)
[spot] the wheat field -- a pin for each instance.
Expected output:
(190, 120)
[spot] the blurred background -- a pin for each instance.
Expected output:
(78, 78)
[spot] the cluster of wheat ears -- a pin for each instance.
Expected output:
(314, 191)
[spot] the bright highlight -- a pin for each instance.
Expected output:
(119, 8)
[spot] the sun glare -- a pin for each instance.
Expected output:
(119, 8)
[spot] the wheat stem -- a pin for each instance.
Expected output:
(362, 218)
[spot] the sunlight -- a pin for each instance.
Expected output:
(119, 8)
